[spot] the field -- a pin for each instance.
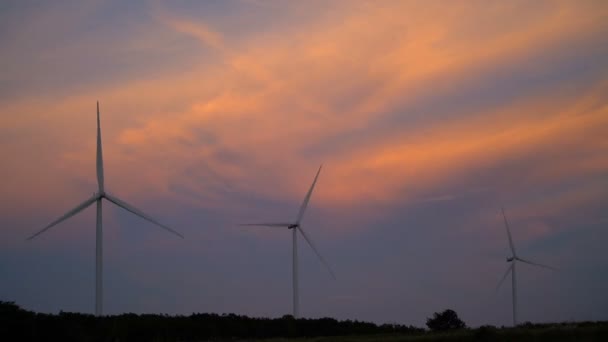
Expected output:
(596, 331)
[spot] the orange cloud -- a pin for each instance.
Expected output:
(455, 148)
(273, 96)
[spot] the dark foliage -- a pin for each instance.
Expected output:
(447, 320)
(17, 324)
(22, 325)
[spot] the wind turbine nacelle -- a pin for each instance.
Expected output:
(510, 259)
(292, 226)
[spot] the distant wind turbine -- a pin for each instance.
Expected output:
(96, 198)
(295, 227)
(511, 269)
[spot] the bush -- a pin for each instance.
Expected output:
(447, 320)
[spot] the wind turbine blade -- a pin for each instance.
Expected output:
(509, 269)
(266, 224)
(67, 215)
(536, 264)
(508, 232)
(316, 251)
(139, 213)
(307, 198)
(99, 155)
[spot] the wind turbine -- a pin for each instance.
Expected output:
(511, 269)
(96, 198)
(296, 226)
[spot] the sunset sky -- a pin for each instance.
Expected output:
(428, 117)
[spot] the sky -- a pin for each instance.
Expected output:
(427, 116)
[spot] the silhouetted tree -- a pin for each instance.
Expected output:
(447, 320)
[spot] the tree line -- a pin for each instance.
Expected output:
(17, 324)
(24, 325)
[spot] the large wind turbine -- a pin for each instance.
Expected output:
(96, 198)
(296, 226)
(511, 269)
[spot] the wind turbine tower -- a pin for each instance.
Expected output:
(97, 198)
(296, 226)
(512, 260)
